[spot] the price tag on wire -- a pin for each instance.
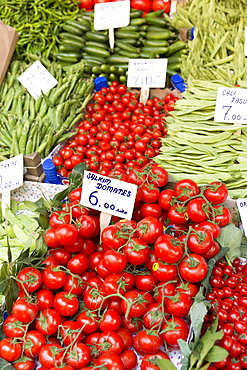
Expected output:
(147, 73)
(231, 105)
(37, 79)
(108, 195)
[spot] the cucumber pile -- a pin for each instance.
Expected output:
(145, 37)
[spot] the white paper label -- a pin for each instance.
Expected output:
(111, 15)
(173, 8)
(242, 207)
(11, 173)
(231, 105)
(108, 195)
(147, 73)
(37, 79)
(245, 41)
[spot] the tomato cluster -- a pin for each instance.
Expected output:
(103, 299)
(117, 132)
(228, 299)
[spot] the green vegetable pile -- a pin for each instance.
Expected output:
(197, 146)
(29, 125)
(38, 23)
(145, 37)
(218, 45)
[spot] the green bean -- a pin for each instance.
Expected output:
(14, 150)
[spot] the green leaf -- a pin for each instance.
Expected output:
(186, 352)
(243, 247)
(4, 365)
(11, 295)
(217, 353)
(197, 313)
(231, 237)
(208, 345)
(28, 205)
(211, 263)
(165, 364)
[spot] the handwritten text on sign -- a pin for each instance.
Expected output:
(231, 105)
(11, 173)
(108, 195)
(36, 79)
(111, 15)
(147, 73)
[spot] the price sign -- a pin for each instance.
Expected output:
(108, 195)
(242, 207)
(111, 15)
(147, 73)
(11, 174)
(37, 79)
(231, 105)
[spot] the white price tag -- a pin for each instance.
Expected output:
(147, 73)
(11, 174)
(37, 79)
(111, 15)
(231, 105)
(108, 195)
(242, 207)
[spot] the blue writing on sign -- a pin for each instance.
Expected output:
(243, 204)
(93, 200)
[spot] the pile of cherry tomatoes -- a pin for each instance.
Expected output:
(117, 132)
(114, 299)
(228, 299)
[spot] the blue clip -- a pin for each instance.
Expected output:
(100, 82)
(178, 83)
(192, 34)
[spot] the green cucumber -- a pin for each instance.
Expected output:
(123, 79)
(174, 60)
(70, 36)
(180, 53)
(135, 13)
(117, 59)
(128, 54)
(125, 46)
(159, 43)
(96, 51)
(164, 35)
(127, 41)
(85, 23)
(69, 48)
(146, 55)
(174, 48)
(155, 50)
(122, 68)
(155, 29)
(91, 62)
(94, 57)
(97, 45)
(159, 22)
(144, 27)
(68, 57)
(72, 29)
(96, 36)
(74, 42)
(174, 66)
(137, 21)
(126, 35)
(79, 25)
(130, 28)
(157, 13)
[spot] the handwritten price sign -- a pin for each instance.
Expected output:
(11, 173)
(108, 195)
(231, 105)
(147, 73)
(36, 79)
(111, 15)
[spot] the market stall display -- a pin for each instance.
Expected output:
(165, 288)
